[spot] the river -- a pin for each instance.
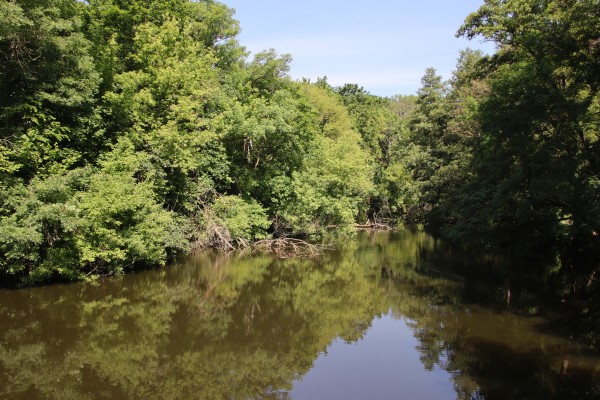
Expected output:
(385, 316)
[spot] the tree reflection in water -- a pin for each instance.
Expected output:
(246, 327)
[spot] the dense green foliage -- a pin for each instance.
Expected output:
(132, 130)
(505, 156)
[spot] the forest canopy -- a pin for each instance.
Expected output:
(134, 130)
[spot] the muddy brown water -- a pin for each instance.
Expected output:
(376, 319)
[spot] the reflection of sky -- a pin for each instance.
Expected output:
(383, 365)
(382, 45)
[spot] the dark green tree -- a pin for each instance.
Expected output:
(381, 129)
(47, 88)
(535, 172)
(425, 153)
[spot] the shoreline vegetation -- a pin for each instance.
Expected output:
(282, 247)
(132, 131)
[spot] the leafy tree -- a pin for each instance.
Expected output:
(47, 88)
(112, 25)
(321, 194)
(461, 138)
(38, 226)
(536, 172)
(380, 129)
(267, 72)
(244, 219)
(425, 153)
(124, 225)
(167, 108)
(267, 139)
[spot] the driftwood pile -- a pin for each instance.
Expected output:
(219, 237)
(290, 247)
(373, 226)
(380, 223)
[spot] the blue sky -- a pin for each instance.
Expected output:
(383, 45)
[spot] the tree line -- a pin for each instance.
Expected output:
(134, 130)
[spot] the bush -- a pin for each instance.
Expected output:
(123, 225)
(37, 228)
(245, 219)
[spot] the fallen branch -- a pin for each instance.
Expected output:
(375, 226)
(290, 247)
(224, 241)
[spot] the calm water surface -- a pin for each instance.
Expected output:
(385, 317)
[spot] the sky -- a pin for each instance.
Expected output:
(382, 45)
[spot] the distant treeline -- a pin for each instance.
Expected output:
(134, 130)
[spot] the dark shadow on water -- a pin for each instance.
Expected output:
(228, 326)
(503, 373)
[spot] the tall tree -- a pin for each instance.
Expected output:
(380, 128)
(47, 87)
(537, 173)
(425, 153)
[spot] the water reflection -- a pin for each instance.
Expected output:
(238, 327)
(383, 365)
